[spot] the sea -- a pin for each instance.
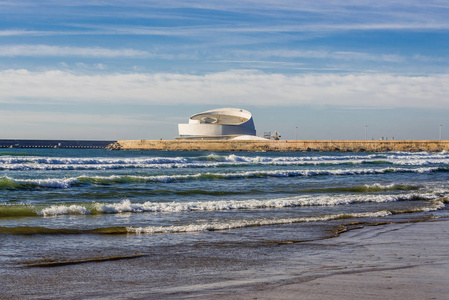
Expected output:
(65, 207)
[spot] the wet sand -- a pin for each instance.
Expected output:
(396, 261)
(400, 261)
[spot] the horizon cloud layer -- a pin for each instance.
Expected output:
(234, 87)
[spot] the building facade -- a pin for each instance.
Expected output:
(221, 123)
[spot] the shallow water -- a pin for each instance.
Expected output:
(61, 206)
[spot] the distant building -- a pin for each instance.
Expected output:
(221, 123)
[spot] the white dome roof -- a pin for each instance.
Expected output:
(218, 123)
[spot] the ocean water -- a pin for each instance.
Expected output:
(61, 206)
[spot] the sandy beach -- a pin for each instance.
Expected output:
(400, 261)
(395, 261)
(163, 225)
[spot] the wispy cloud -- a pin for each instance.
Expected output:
(226, 88)
(320, 54)
(45, 50)
(98, 52)
(17, 32)
(195, 18)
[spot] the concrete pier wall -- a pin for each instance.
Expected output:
(71, 144)
(289, 145)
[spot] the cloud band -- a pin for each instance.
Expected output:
(248, 87)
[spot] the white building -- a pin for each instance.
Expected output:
(221, 123)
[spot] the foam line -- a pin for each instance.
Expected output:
(248, 223)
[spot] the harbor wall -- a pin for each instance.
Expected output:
(70, 144)
(284, 146)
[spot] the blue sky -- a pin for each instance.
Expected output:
(134, 69)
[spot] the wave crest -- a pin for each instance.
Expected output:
(126, 206)
(21, 162)
(248, 223)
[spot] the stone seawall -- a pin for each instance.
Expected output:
(283, 146)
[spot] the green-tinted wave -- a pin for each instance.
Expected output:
(9, 184)
(16, 154)
(26, 210)
(110, 180)
(17, 211)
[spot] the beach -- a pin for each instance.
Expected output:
(97, 224)
(224, 150)
(400, 261)
(393, 261)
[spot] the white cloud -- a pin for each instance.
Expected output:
(226, 88)
(45, 50)
(13, 32)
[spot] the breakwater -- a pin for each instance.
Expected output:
(284, 146)
(72, 144)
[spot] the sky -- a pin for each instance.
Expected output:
(322, 69)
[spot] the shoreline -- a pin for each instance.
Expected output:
(394, 261)
(389, 261)
(283, 145)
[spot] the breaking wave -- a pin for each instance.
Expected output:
(249, 223)
(11, 184)
(24, 162)
(436, 205)
(213, 226)
(126, 206)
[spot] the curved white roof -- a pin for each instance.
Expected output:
(218, 123)
(222, 116)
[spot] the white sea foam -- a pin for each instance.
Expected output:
(126, 206)
(210, 161)
(288, 173)
(34, 166)
(56, 210)
(436, 204)
(62, 183)
(322, 200)
(249, 223)
(92, 160)
(213, 158)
